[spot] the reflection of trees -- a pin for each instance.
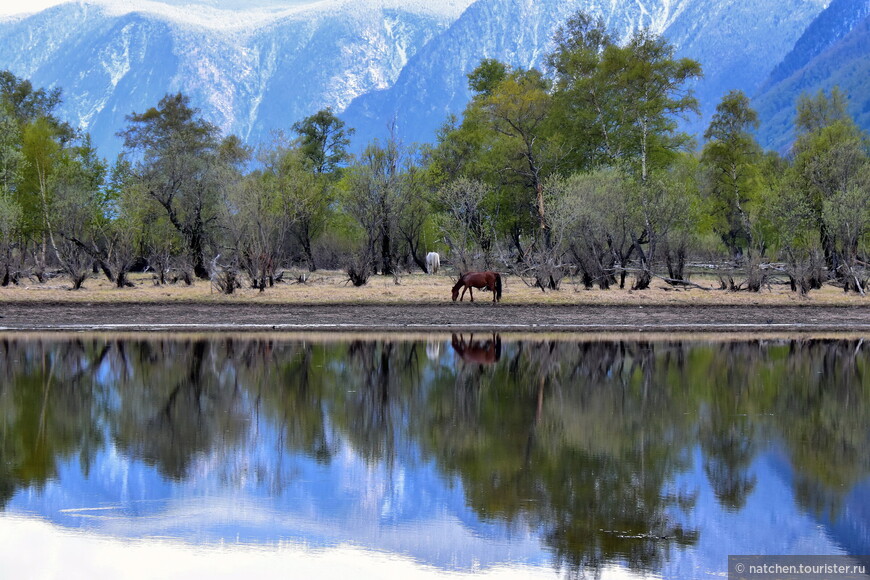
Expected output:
(728, 435)
(377, 393)
(579, 440)
(811, 394)
(582, 440)
(47, 400)
(177, 401)
(288, 380)
(729, 448)
(573, 440)
(822, 410)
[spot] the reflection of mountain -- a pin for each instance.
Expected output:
(408, 510)
(769, 523)
(586, 454)
(845, 514)
(851, 529)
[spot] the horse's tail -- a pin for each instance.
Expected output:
(497, 286)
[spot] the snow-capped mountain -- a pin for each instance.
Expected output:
(375, 61)
(518, 32)
(250, 74)
(738, 42)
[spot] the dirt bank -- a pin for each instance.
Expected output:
(66, 316)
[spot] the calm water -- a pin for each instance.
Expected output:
(482, 455)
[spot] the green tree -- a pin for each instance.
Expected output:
(580, 109)
(27, 103)
(601, 245)
(323, 140)
(11, 158)
(517, 110)
(414, 209)
(504, 141)
(33, 143)
(732, 158)
(180, 162)
(78, 207)
(11, 169)
(466, 224)
(305, 196)
(829, 171)
(618, 105)
(648, 91)
(621, 102)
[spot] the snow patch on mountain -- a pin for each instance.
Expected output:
(255, 70)
(214, 18)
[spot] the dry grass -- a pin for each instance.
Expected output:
(328, 287)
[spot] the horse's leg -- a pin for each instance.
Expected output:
(462, 297)
(471, 292)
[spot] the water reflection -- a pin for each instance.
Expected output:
(485, 352)
(581, 453)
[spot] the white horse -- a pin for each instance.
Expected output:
(433, 262)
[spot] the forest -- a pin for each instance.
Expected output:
(574, 172)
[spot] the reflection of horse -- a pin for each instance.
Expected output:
(485, 352)
(433, 262)
(483, 280)
(433, 349)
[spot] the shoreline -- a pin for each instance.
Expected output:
(174, 317)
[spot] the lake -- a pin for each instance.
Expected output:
(508, 456)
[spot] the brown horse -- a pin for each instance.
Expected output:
(483, 280)
(484, 352)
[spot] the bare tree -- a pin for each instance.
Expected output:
(468, 228)
(373, 198)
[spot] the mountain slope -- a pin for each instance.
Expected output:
(374, 60)
(835, 22)
(518, 32)
(734, 55)
(844, 64)
(248, 79)
(738, 43)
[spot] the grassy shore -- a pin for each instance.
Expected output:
(332, 287)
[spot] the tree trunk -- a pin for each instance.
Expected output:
(305, 241)
(200, 270)
(78, 280)
(515, 237)
(677, 264)
(386, 254)
(644, 278)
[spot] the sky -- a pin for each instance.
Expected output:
(9, 7)
(24, 6)
(13, 7)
